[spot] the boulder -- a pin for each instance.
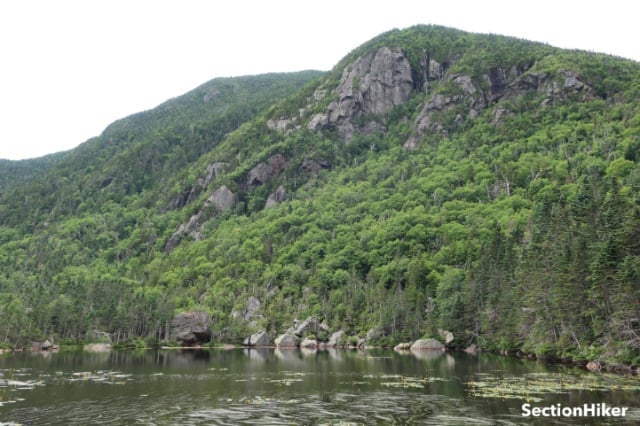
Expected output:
(46, 345)
(191, 328)
(309, 343)
(264, 171)
(222, 199)
(427, 344)
(374, 334)
(260, 338)
(276, 198)
(309, 326)
(446, 335)
(287, 341)
(314, 166)
(402, 347)
(472, 349)
(97, 347)
(594, 366)
(336, 339)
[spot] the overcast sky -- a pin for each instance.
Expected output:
(70, 68)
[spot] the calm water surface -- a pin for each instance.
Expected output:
(273, 387)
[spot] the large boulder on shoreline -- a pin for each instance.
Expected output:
(191, 328)
(472, 349)
(594, 366)
(402, 347)
(260, 338)
(309, 343)
(287, 341)
(427, 344)
(44, 346)
(446, 335)
(336, 339)
(309, 326)
(98, 347)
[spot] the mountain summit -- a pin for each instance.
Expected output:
(434, 183)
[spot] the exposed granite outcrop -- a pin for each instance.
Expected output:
(287, 341)
(264, 171)
(259, 339)
(191, 328)
(221, 200)
(276, 198)
(427, 344)
(497, 85)
(373, 84)
(212, 171)
(314, 166)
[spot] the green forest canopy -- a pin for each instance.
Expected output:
(516, 230)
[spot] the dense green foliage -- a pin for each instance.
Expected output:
(522, 234)
(15, 173)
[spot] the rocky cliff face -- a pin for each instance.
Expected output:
(191, 328)
(368, 90)
(264, 171)
(212, 171)
(373, 84)
(221, 200)
(376, 83)
(470, 96)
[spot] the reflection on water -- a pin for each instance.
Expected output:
(289, 386)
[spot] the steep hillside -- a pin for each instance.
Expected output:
(15, 173)
(141, 152)
(434, 179)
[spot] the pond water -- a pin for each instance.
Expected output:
(273, 387)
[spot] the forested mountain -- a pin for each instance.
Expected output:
(434, 179)
(15, 173)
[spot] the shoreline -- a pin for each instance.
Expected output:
(590, 366)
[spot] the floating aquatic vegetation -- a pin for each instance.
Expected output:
(532, 387)
(245, 379)
(285, 382)
(107, 377)
(383, 376)
(404, 382)
(20, 384)
(295, 373)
